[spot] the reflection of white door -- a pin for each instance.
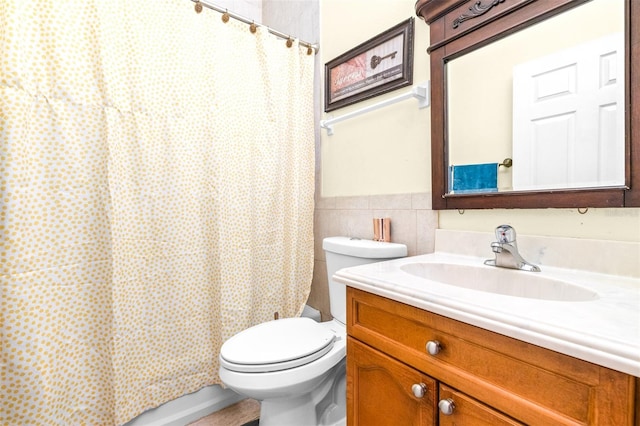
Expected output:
(568, 118)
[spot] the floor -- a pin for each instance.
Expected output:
(238, 414)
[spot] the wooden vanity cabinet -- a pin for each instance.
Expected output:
(491, 379)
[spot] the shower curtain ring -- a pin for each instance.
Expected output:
(225, 16)
(253, 28)
(198, 6)
(289, 42)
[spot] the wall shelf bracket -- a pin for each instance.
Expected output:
(420, 92)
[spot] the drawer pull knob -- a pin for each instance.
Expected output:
(419, 390)
(433, 347)
(446, 406)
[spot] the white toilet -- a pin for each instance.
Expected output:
(296, 366)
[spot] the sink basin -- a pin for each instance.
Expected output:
(508, 282)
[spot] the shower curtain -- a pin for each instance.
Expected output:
(156, 177)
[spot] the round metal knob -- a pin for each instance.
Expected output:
(433, 347)
(419, 390)
(446, 406)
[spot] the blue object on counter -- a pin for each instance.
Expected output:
(473, 178)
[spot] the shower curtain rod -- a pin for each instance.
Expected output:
(314, 46)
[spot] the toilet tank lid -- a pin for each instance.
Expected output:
(368, 249)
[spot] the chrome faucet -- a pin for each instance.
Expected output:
(506, 250)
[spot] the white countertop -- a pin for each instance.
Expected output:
(605, 331)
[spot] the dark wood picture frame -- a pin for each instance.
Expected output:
(377, 66)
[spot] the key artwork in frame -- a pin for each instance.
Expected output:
(377, 66)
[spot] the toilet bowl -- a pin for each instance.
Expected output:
(290, 387)
(296, 366)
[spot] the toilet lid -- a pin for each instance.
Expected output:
(276, 345)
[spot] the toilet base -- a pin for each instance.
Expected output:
(291, 411)
(325, 406)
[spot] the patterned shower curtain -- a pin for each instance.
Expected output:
(156, 178)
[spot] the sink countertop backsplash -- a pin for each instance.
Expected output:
(605, 331)
(602, 256)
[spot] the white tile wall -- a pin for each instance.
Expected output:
(413, 223)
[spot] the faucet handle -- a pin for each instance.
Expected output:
(505, 234)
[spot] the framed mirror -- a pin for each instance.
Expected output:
(493, 63)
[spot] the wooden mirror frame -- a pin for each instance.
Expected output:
(460, 26)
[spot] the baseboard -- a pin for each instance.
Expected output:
(188, 408)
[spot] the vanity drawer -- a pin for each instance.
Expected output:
(527, 382)
(468, 411)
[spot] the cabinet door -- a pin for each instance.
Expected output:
(380, 390)
(466, 411)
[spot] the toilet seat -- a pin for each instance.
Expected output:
(276, 345)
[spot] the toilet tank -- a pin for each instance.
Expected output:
(344, 252)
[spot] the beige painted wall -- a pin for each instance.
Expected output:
(387, 152)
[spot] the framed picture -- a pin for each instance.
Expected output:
(377, 66)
